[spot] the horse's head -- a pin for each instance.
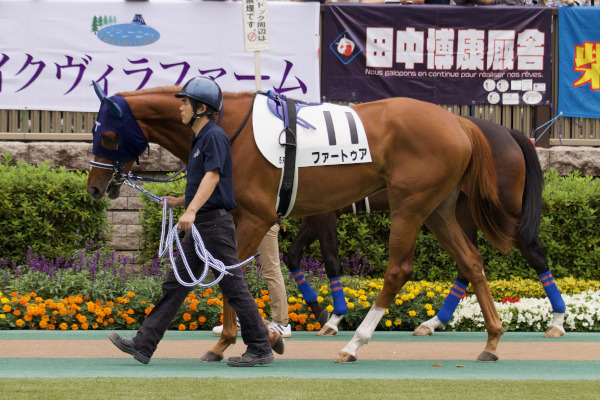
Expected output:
(118, 141)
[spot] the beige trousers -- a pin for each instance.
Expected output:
(271, 272)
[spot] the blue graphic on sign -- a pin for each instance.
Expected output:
(346, 47)
(137, 33)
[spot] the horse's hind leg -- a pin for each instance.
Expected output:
(307, 234)
(327, 235)
(444, 315)
(443, 224)
(535, 254)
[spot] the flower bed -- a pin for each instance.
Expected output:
(202, 309)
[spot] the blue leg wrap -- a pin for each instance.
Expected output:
(308, 293)
(339, 300)
(556, 300)
(456, 293)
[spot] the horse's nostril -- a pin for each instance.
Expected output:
(94, 192)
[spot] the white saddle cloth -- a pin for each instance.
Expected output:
(341, 141)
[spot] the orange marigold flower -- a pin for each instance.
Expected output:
(7, 308)
(208, 291)
(84, 326)
(107, 311)
(111, 320)
(39, 300)
(43, 324)
(20, 322)
(191, 296)
(310, 327)
(181, 327)
(63, 326)
(28, 318)
(119, 300)
(193, 326)
(264, 291)
(130, 294)
(202, 320)
(74, 327)
(187, 316)
(51, 327)
(33, 294)
(130, 320)
(130, 311)
(298, 327)
(147, 311)
(266, 297)
(17, 312)
(193, 307)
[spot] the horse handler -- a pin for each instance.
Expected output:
(208, 197)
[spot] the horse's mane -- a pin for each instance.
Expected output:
(176, 89)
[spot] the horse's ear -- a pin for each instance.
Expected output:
(114, 108)
(99, 92)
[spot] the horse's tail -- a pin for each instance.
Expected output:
(531, 208)
(480, 186)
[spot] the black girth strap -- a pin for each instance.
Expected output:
(288, 175)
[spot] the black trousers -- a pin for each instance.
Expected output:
(218, 236)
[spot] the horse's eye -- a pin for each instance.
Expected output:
(110, 141)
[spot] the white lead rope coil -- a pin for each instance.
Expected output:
(166, 246)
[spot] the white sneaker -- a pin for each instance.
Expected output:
(217, 330)
(284, 330)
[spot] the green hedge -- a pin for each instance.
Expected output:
(48, 210)
(569, 231)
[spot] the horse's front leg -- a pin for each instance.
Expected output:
(228, 336)
(398, 272)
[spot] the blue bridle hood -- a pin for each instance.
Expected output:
(132, 141)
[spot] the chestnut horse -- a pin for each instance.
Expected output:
(520, 184)
(422, 154)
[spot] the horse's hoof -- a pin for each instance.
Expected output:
(344, 358)
(487, 357)
(327, 331)
(554, 332)
(277, 343)
(323, 317)
(209, 356)
(423, 330)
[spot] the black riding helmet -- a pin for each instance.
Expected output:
(202, 90)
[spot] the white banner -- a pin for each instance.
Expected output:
(51, 51)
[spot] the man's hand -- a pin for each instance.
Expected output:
(173, 201)
(186, 220)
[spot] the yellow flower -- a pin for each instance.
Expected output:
(399, 302)
(388, 323)
(397, 322)
(330, 308)
(412, 313)
(350, 306)
(438, 289)
(428, 306)
(4, 300)
(387, 311)
(430, 313)
(411, 296)
(2, 316)
(320, 299)
(430, 294)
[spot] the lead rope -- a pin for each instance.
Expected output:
(172, 236)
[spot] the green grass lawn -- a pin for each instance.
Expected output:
(291, 388)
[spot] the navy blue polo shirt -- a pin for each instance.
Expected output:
(210, 150)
